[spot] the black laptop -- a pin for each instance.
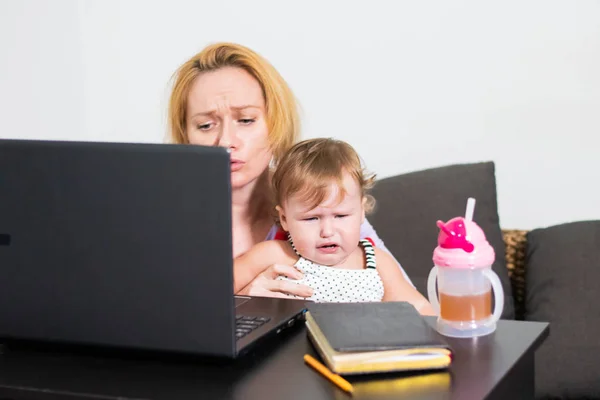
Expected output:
(124, 245)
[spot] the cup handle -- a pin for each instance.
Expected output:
(431, 291)
(498, 293)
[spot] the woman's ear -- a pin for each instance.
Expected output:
(282, 219)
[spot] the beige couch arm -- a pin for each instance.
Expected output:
(516, 246)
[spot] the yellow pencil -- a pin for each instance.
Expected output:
(338, 380)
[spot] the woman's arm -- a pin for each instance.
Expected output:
(252, 263)
(255, 272)
(395, 287)
(367, 231)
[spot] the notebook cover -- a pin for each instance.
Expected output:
(353, 327)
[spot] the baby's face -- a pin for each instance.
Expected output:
(328, 233)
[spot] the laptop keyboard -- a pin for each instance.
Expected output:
(245, 324)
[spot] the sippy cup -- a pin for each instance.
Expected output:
(463, 270)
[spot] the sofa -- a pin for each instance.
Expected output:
(548, 274)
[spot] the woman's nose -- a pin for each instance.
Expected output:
(228, 135)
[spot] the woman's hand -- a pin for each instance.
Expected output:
(266, 283)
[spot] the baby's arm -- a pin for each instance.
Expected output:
(260, 257)
(396, 287)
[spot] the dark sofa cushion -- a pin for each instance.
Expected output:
(409, 205)
(563, 279)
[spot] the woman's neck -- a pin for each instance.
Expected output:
(251, 214)
(241, 204)
(251, 203)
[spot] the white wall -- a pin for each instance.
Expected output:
(412, 84)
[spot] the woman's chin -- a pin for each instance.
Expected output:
(248, 178)
(240, 180)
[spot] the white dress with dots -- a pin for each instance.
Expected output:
(339, 285)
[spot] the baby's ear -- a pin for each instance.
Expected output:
(282, 219)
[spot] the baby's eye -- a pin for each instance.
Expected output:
(341, 215)
(246, 121)
(310, 219)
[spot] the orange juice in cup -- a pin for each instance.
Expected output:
(465, 281)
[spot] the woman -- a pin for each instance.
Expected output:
(227, 95)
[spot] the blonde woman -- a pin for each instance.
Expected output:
(228, 95)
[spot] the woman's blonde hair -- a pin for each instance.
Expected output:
(282, 116)
(310, 167)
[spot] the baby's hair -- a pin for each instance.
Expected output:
(310, 167)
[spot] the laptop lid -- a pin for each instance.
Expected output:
(117, 244)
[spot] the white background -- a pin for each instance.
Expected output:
(411, 84)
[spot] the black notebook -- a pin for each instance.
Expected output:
(375, 337)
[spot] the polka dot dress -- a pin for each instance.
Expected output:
(339, 285)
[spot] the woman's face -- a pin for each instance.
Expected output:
(226, 108)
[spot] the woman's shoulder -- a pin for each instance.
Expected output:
(367, 230)
(272, 232)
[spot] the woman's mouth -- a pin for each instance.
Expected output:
(236, 165)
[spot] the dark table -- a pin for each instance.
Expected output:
(497, 366)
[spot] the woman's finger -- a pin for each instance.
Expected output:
(290, 287)
(261, 292)
(285, 270)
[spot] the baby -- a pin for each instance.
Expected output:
(320, 189)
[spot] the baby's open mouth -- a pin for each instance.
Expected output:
(330, 246)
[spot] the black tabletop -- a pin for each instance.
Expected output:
(274, 370)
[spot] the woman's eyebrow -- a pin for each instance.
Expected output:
(204, 113)
(235, 108)
(245, 106)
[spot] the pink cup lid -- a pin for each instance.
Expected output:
(462, 244)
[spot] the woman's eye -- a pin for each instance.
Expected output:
(246, 121)
(204, 127)
(310, 219)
